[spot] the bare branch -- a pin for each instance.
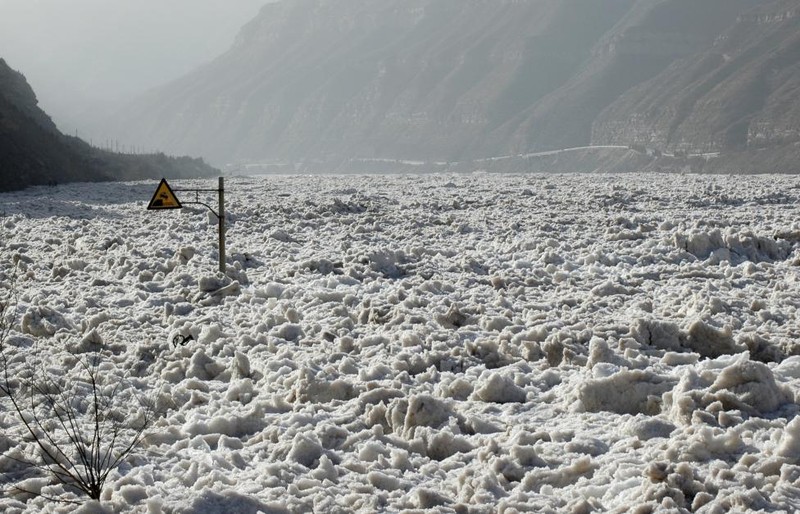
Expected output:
(81, 419)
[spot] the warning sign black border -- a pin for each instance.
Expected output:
(152, 207)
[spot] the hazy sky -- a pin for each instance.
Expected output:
(84, 56)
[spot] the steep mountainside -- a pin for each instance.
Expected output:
(651, 36)
(34, 152)
(422, 79)
(329, 81)
(741, 92)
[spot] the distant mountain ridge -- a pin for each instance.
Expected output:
(34, 152)
(332, 81)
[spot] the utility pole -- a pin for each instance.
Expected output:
(221, 217)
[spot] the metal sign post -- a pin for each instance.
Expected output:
(221, 218)
(164, 198)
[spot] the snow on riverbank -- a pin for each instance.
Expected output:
(446, 343)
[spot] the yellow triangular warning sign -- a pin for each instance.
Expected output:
(164, 198)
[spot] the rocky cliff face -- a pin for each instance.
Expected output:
(454, 80)
(739, 92)
(34, 152)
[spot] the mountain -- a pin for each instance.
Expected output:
(648, 38)
(738, 93)
(34, 152)
(339, 81)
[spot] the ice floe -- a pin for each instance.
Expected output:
(425, 343)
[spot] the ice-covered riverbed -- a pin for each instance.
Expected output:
(448, 343)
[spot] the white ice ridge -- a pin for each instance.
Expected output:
(423, 343)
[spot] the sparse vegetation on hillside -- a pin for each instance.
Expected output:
(34, 152)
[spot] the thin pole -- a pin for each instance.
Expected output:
(222, 225)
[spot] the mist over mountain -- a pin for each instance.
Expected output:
(34, 152)
(86, 58)
(340, 81)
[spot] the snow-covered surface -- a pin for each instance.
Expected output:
(471, 343)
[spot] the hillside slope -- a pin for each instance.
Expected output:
(334, 79)
(329, 81)
(740, 92)
(34, 152)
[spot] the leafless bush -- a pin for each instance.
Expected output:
(79, 417)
